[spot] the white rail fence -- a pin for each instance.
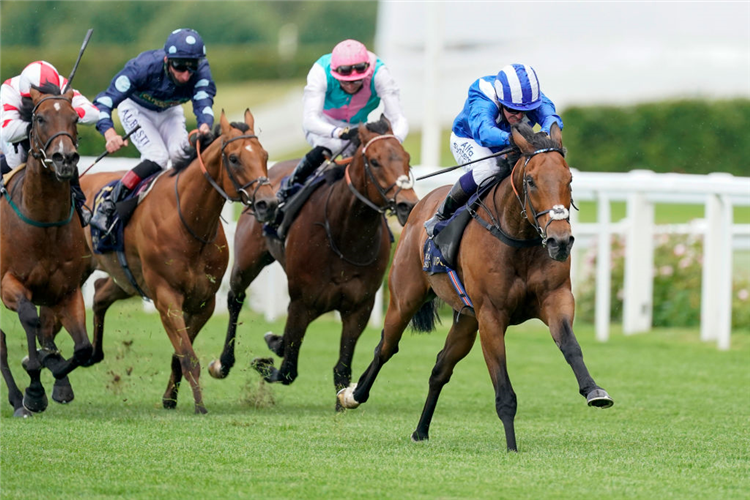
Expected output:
(640, 189)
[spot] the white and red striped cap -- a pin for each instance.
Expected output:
(38, 73)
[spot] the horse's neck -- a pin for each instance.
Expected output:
(43, 196)
(509, 211)
(345, 207)
(200, 202)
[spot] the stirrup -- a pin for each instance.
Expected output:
(430, 224)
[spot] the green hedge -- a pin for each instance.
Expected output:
(686, 136)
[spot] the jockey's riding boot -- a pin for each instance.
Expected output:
(307, 165)
(4, 167)
(102, 218)
(79, 199)
(456, 197)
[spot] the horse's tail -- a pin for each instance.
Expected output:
(424, 320)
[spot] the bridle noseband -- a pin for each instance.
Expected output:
(40, 153)
(557, 212)
(401, 183)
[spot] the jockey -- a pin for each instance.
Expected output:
(483, 127)
(15, 119)
(343, 87)
(148, 92)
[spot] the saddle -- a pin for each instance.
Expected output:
(300, 193)
(112, 240)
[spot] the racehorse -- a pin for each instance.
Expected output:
(175, 244)
(518, 270)
(44, 254)
(335, 256)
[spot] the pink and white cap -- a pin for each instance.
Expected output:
(38, 73)
(349, 53)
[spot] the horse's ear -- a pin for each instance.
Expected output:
(69, 94)
(250, 120)
(225, 127)
(386, 120)
(556, 134)
(35, 94)
(520, 141)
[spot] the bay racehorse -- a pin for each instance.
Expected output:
(175, 244)
(44, 255)
(518, 270)
(335, 253)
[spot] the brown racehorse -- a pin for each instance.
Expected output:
(44, 254)
(507, 284)
(175, 244)
(335, 256)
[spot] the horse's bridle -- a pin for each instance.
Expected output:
(243, 196)
(557, 212)
(401, 183)
(41, 152)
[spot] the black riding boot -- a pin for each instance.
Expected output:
(455, 199)
(307, 165)
(79, 199)
(102, 219)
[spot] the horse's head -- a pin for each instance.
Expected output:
(246, 165)
(53, 134)
(544, 179)
(385, 179)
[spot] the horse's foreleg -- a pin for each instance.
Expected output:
(558, 314)
(15, 396)
(71, 313)
(169, 304)
(458, 344)
(492, 334)
(193, 324)
(299, 317)
(106, 293)
(354, 323)
(62, 391)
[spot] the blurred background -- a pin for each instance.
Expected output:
(660, 86)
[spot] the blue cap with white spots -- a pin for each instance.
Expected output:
(185, 43)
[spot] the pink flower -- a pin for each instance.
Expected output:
(680, 249)
(666, 271)
(686, 262)
(743, 294)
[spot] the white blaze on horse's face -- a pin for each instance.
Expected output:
(249, 148)
(404, 182)
(57, 106)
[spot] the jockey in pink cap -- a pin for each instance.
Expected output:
(342, 89)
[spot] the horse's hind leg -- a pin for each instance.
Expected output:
(557, 312)
(193, 324)
(239, 281)
(62, 391)
(106, 293)
(458, 344)
(15, 396)
(354, 323)
(72, 314)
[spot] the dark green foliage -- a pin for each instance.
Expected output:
(686, 136)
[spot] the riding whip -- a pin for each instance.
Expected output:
(80, 55)
(449, 169)
(105, 153)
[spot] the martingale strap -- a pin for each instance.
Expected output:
(501, 235)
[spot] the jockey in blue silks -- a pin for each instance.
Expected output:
(483, 127)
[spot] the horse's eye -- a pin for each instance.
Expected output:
(530, 182)
(233, 159)
(39, 119)
(375, 163)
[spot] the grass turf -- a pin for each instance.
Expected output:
(679, 427)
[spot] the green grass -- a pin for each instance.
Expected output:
(679, 427)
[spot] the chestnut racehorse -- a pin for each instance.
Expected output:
(335, 256)
(44, 255)
(507, 284)
(175, 244)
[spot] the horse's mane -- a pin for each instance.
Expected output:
(27, 104)
(191, 153)
(539, 140)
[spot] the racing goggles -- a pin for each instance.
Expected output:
(346, 69)
(181, 65)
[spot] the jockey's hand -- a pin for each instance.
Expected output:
(114, 141)
(349, 133)
(204, 129)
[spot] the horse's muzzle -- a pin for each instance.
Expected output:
(66, 165)
(265, 209)
(403, 209)
(559, 247)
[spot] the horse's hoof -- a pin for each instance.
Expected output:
(22, 413)
(263, 366)
(35, 404)
(200, 410)
(169, 404)
(274, 343)
(417, 437)
(345, 397)
(62, 392)
(599, 398)
(214, 369)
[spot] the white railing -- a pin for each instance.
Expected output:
(718, 192)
